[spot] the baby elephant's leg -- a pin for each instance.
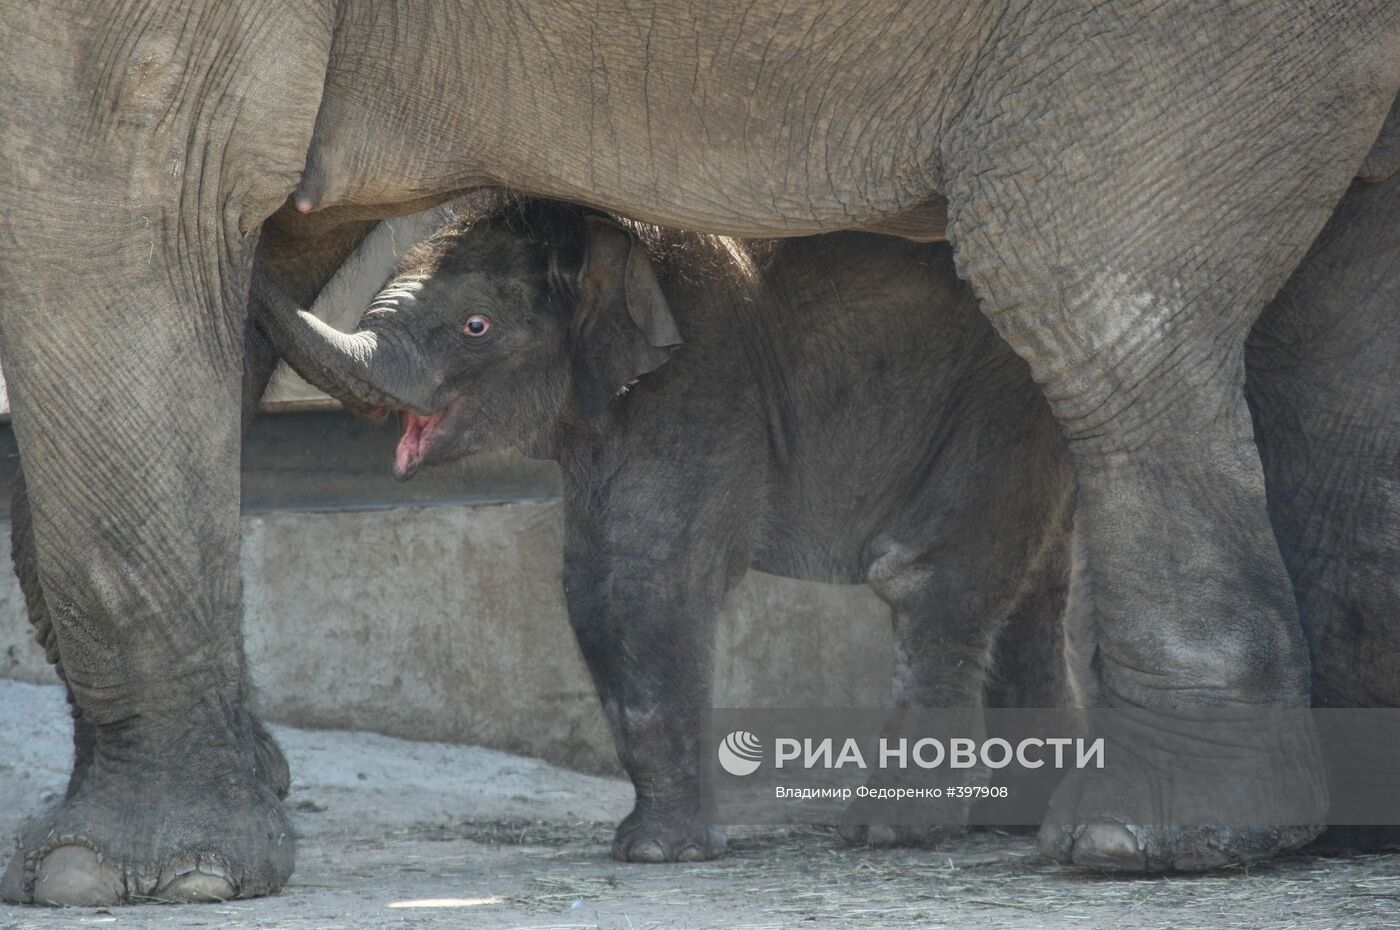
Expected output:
(946, 620)
(644, 575)
(645, 627)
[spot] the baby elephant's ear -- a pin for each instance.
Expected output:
(623, 328)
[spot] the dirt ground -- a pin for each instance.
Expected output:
(400, 834)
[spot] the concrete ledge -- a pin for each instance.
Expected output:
(447, 622)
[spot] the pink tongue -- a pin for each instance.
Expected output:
(414, 443)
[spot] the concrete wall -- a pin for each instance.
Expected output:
(447, 622)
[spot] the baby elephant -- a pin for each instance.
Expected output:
(832, 409)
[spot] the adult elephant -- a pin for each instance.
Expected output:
(1126, 184)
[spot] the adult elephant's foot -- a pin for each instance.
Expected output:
(191, 845)
(654, 833)
(1152, 812)
(272, 764)
(1210, 757)
(1106, 846)
(208, 827)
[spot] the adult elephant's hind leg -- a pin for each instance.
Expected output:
(1193, 613)
(1123, 245)
(1187, 594)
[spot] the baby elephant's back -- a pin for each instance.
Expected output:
(870, 321)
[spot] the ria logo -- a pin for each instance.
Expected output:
(740, 753)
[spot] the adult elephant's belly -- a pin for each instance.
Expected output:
(925, 222)
(703, 132)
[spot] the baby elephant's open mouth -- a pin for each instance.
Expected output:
(421, 435)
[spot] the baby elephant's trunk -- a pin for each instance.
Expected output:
(362, 369)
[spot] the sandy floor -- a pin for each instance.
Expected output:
(399, 834)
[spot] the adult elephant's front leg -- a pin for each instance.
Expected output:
(1123, 244)
(135, 520)
(26, 564)
(131, 189)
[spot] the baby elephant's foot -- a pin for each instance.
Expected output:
(883, 835)
(886, 823)
(650, 834)
(891, 812)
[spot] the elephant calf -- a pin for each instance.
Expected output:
(832, 409)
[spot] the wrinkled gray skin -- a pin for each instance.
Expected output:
(841, 414)
(1126, 185)
(1324, 388)
(195, 878)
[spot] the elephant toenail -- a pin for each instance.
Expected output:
(202, 884)
(646, 851)
(691, 854)
(1110, 847)
(75, 876)
(1056, 842)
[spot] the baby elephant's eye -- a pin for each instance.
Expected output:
(476, 325)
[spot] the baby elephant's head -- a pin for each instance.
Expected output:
(494, 328)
